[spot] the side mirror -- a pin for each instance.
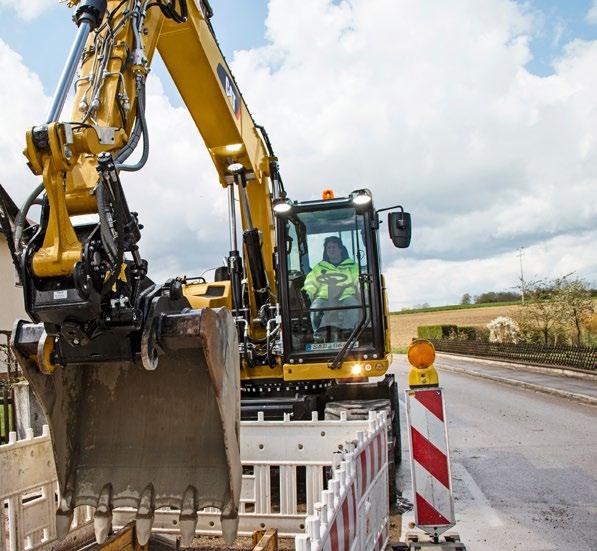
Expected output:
(400, 228)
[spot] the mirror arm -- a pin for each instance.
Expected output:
(390, 208)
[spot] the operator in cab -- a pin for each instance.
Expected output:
(333, 283)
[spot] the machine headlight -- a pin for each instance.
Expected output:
(282, 206)
(357, 369)
(235, 168)
(361, 197)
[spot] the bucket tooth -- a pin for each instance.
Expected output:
(188, 524)
(64, 516)
(102, 526)
(102, 520)
(229, 529)
(188, 517)
(143, 529)
(145, 515)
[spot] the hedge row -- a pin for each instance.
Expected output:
(452, 332)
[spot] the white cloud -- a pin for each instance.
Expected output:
(22, 104)
(592, 14)
(429, 105)
(439, 281)
(30, 9)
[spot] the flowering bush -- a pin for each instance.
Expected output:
(503, 330)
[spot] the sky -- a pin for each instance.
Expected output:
(479, 116)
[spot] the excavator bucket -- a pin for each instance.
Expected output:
(127, 436)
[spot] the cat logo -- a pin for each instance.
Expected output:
(230, 90)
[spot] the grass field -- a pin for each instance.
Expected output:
(453, 307)
(404, 325)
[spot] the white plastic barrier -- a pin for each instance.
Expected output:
(29, 494)
(285, 464)
(353, 514)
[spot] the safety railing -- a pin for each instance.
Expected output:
(353, 514)
(29, 494)
(324, 482)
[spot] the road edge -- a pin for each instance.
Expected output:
(522, 384)
(555, 370)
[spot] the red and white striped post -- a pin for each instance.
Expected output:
(428, 439)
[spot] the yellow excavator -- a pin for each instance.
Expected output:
(144, 384)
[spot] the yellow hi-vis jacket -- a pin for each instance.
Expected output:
(326, 281)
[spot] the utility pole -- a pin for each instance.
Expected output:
(520, 255)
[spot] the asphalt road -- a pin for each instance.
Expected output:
(524, 465)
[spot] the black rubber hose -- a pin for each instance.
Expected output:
(114, 244)
(22, 216)
(143, 126)
(107, 223)
(131, 145)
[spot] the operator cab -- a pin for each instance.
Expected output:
(330, 280)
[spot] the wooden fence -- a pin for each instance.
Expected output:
(579, 357)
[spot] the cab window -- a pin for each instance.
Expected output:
(325, 258)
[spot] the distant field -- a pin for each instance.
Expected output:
(454, 307)
(404, 325)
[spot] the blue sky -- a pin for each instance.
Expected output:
(44, 42)
(240, 24)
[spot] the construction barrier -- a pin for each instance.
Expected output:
(29, 495)
(286, 465)
(353, 513)
(430, 460)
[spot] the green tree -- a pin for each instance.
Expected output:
(500, 296)
(466, 299)
(574, 298)
(542, 311)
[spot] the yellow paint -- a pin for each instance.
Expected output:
(423, 377)
(46, 366)
(315, 371)
(192, 57)
(230, 135)
(68, 166)
(319, 371)
(386, 313)
(197, 294)
(260, 372)
(61, 249)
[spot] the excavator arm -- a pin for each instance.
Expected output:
(140, 381)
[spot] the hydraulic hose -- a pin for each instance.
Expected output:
(22, 216)
(108, 224)
(139, 129)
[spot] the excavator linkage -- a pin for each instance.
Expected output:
(160, 430)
